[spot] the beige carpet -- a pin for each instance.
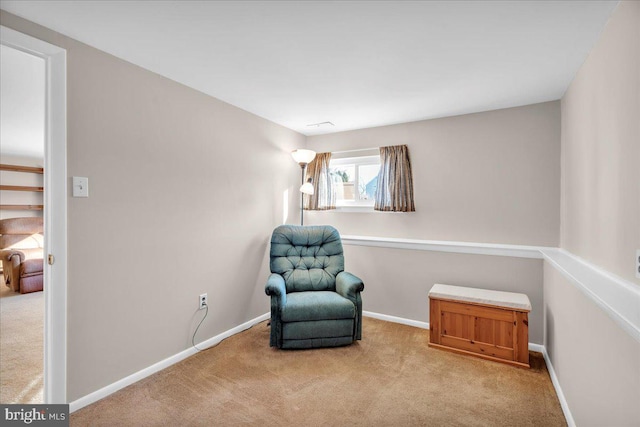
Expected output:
(390, 378)
(21, 346)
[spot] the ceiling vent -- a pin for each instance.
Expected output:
(317, 125)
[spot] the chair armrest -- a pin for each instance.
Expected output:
(348, 285)
(13, 256)
(275, 287)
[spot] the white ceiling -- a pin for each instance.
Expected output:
(22, 83)
(354, 63)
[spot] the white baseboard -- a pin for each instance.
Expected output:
(556, 385)
(536, 347)
(394, 319)
(137, 376)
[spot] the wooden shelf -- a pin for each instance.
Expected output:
(21, 188)
(27, 169)
(17, 168)
(22, 207)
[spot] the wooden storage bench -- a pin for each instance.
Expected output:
(489, 324)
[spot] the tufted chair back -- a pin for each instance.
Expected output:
(308, 258)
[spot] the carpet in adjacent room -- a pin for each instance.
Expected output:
(21, 346)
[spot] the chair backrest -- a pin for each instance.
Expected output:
(21, 233)
(308, 258)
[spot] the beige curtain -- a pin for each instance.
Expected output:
(324, 190)
(395, 183)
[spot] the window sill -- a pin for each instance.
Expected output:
(347, 209)
(356, 209)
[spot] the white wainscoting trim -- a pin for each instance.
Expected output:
(163, 364)
(615, 296)
(519, 251)
(619, 298)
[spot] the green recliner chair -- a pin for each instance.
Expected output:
(314, 302)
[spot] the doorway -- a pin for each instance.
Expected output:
(54, 217)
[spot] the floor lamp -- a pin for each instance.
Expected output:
(303, 158)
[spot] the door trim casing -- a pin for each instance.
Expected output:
(55, 212)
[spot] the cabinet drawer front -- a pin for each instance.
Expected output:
(488, 332)
(477, 329)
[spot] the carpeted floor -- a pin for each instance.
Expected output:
(21, 346)
(390, 378)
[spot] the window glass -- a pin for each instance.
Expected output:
(355, 180)
(344, 177)
(368, 181)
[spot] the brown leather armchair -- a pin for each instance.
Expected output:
(21, 252)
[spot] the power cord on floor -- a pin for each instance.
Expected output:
(193, 338)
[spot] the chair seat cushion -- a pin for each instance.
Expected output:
(317, 305)
(318, 329)
(31, 266)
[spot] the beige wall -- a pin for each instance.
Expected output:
(397, 281)
(485, 177)
(491, 177)
(601, 149)
(597, 363)
(184, 190)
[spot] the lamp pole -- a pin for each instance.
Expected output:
(303, 158)
(303, 166)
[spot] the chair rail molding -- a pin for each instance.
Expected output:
(617, 297)
(519, 251)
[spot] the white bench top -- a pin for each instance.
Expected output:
(481, 296)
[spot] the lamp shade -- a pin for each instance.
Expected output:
(303, 156)
(306, 188)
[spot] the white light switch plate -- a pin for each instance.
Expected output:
(80, 186)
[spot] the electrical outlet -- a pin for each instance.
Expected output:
(202, 301)
(638, 263)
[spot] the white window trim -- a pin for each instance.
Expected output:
(364, 160)
(354, 209)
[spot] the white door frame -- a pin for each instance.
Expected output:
(55, 212)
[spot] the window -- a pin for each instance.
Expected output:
(355, 180)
